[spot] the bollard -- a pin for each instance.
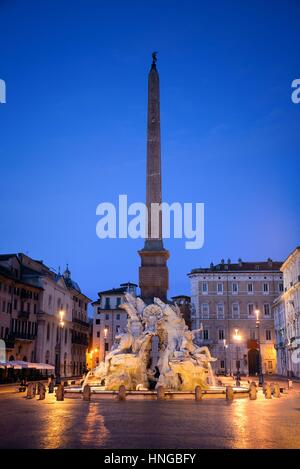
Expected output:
(51, 387)
(160, 393)
(59, 392)
(290, 384)
(198, 393)
(252, 392)
(229, 393)
(86, 394)
(42, 391)
(268, 393)
(272, 385)
(122, 393)
(276, 390)
(30, 391)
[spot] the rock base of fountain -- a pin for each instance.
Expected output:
(182, 364)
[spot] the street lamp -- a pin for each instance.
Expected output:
(105, 336)
(260, 374)
(237, 338)
(225, 355)
(61, 326)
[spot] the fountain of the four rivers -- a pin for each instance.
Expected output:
(182, 365)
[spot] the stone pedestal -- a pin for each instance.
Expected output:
(31, 388)
(42, 391)
(153, 275)
(252, 391)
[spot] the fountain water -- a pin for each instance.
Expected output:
(182, 365)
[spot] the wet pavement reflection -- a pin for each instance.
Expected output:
(212, 423)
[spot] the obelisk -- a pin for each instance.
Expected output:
(153, 272)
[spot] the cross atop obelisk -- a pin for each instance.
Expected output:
(154, 277)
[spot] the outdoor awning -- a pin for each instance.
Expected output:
(20, 364)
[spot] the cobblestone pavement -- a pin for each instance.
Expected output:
(212, 423)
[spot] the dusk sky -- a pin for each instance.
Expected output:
(73, 129)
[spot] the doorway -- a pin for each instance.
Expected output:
(253, 361)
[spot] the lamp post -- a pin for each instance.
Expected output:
(61, 326)
(105, 336)
(225, 355)
(260, 371)
(237, 338)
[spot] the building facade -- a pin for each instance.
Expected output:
(109, 320)
(286, 310)
(47, 322)
(226, 299)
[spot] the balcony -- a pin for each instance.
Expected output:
(23, 314)
(80, 340)
(80, 322)
(11, 338)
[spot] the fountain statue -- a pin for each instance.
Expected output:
(182, 365)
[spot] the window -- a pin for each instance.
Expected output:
(97, 322)
(222, 364)
(220, 311)
(118, 301)
(107, 316)
(266, 288)
(268, 334)
(250, 309)
(15, 304)
(98, 334)
(48, 331)
(66, 336)
(235, 288)
(118, 316)
(266, 309)
(250, 287)
(204, 287)
(253, 334)
(106, 346)
(3, 306)
(270, 365)
(107, 303)
(205, 334)
(49, 300)
(205, 310)
(235, 310)
(34, 308)
(98, 310)
(28, 307)
(220, 288)
(221, 334)
(280, 287)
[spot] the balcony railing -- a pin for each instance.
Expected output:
(11, 338)
(80, 341)
(80, 322)
(23, 314)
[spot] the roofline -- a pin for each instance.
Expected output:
(297, 248)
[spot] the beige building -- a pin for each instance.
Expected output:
(109, 320)
(47, 319)
(287, 317)
(19, 305)
(225, 298)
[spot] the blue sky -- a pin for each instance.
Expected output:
(73, 130)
